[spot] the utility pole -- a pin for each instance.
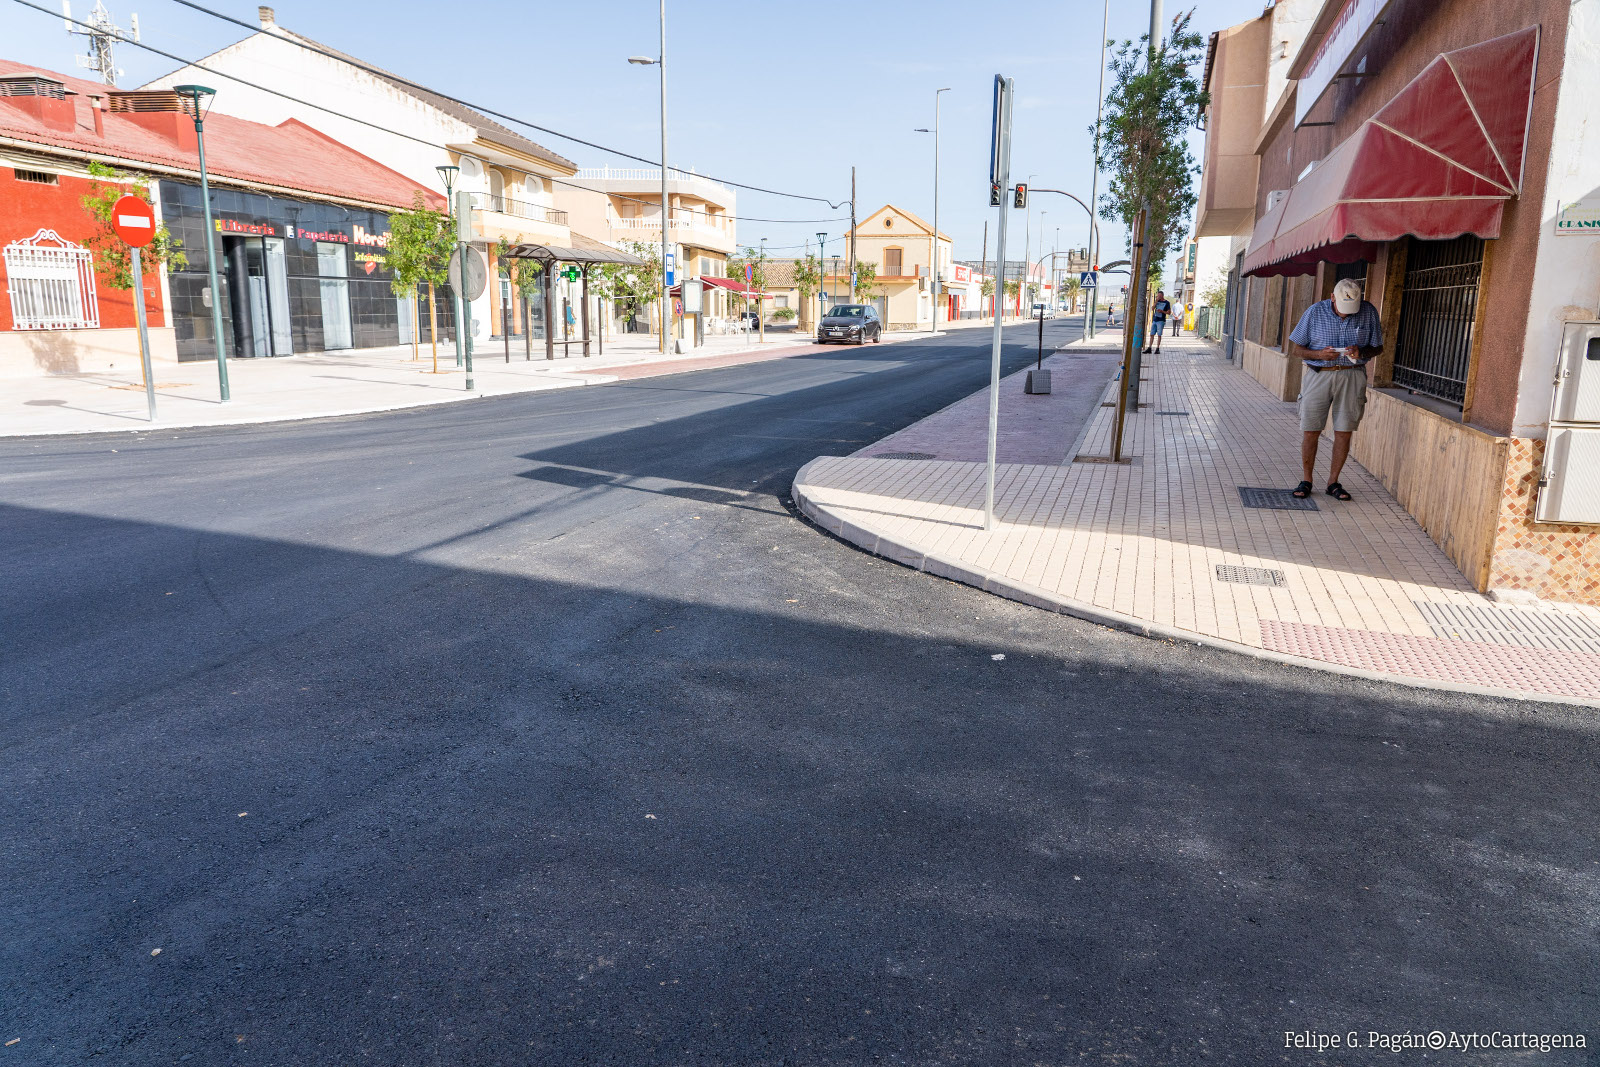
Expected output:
(1094, 182)
(103, 35)
(852, 233)
(1027, 245)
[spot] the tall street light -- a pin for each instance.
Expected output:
(660, 63)
(447, 174)
(1094, 183)
(822, 241)
(198, 100)
(933, 259)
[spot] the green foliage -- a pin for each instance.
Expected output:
(113, 260)
(807, 276)
(421, 242)
(1143, 147)
(637, 287)
(1013, 286)
(987, 288)
(866, 280)
(783, 314)
(1215, 294)
(524, 273)
(1070, 288)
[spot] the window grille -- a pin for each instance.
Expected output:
(1437, 310)
(51, 282)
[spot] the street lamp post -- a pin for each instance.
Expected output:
(199, 98)
(836, 279)
(822, 258)
(933, 258)
(660, 62)
(447, 174)
(1094, 183)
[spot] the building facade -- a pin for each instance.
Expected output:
(300, 229)
(1444, 154)
(904, 250)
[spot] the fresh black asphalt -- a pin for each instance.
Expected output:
(539, 730)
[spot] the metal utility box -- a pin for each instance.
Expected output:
(1578, 375)
(1569, 486)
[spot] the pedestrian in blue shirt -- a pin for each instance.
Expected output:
(1158, 320)
(1342, 335)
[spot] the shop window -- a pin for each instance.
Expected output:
(1272, 309)
(52, 284)
(1256, 293)
(1438, 306)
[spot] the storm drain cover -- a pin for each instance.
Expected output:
(1250, 575)
(903, 455)
(1172, 413)
(1275, 499)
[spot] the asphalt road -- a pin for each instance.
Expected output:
(538, 730)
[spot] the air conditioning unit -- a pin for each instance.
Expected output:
(1275, 197)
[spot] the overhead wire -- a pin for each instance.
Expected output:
(389, 76)
(401, 133)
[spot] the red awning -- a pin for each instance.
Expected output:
(713, 282)
(1438, 161)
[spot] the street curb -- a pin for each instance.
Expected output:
(147, 427)
(989, 582)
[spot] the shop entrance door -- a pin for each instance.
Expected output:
(334, 270)
(258, 296)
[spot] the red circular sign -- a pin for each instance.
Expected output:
(134, 220)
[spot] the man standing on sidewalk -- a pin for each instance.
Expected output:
(1343, 334)
(1158, 319)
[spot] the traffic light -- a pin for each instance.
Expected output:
(994, 194)
(1021, 199)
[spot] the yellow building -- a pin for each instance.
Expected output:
(903, 249)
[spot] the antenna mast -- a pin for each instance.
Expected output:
(103, 35)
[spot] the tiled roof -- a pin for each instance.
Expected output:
(291, 155)
(487, 128)
(780, 273)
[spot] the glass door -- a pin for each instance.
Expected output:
(277, 301)
(332, 266)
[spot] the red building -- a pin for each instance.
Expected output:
(300, 227)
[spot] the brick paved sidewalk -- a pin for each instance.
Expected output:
(1159, 544)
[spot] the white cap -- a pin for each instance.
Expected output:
(1347, 296)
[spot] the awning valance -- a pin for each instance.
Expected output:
(1438, 161)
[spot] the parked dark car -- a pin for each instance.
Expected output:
(750, 320)
(847, 323)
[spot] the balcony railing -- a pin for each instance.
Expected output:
(640, 174)
(520, 209)
(679, 222)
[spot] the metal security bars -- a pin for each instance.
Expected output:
(1434, 349)
(51, 282)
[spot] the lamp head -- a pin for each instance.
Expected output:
(921, 129)
(643, 61)
(197, 99)
(447, 174)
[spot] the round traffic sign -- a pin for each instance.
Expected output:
(477, 273)
(134, 221)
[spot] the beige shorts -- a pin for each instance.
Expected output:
(1341, 392)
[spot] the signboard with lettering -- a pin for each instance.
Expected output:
(1579, 217)
(1350, 27)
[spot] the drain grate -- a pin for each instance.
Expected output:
(903, 455)
(1250, 575)
(1275, 499)
(1172, 413)
(1509, 626)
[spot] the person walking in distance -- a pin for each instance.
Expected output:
(1342, 335)
(1159, 311)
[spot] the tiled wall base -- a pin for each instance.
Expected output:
(1552, 562)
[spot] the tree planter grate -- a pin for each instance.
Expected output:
(904, 455)
(1275, 499)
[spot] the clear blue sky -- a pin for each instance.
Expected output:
(783, 96)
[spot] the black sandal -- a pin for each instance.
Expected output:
(1301, 491)
(1336, 491)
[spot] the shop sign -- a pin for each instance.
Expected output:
(256, 229)
(360, 235)
(963, 275)
(313, 235)
(371, 261)
(1350, 27)
(1579, 217)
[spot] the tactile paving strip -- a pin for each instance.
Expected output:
(1510, 626)
(1556, 672)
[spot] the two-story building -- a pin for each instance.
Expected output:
(300, 231)
(904, 249)
(277, 74)
(1444, 154)
(702, 231)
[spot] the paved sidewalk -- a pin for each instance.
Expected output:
(1158, 545)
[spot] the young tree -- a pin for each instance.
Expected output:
(113, 261)
(1154, 97)
(807, 277)
(523, 274)
(1215, 294)
(637, 288)
(1070, 288)
(421, 242)
(866, 280)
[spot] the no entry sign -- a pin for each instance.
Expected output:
(134, 221)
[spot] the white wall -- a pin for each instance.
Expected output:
(1566, 271)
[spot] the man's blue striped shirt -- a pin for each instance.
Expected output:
(1321, 327)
